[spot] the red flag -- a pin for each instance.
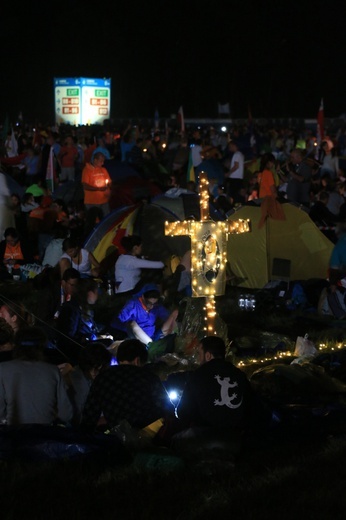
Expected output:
(320, 124)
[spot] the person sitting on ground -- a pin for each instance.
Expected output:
(79, 258)
(217, 401)
(128, 267)
(143, 317)
(54, 251)
(76, 325)
(53, 292)
(14, 252)
(32, 391)
(14, 313)
(92, 361)
(128, 392)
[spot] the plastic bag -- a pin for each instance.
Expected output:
(304, 347)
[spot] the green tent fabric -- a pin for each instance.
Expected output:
(296, 242)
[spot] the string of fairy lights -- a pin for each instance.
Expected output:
(208, 252)
(279, 356)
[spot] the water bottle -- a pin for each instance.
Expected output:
(109, 288)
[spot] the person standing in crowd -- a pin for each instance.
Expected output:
(299, 178)
(67, 158)
(235, 174)
(128, 267)
(32, 391)
(266, 180)
(96, 184)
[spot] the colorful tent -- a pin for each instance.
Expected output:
(290, 249)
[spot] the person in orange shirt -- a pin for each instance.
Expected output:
(266, 180)
(97, 184)
(67, 158)
(14, 252)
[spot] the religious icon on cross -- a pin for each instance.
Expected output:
(208, 250)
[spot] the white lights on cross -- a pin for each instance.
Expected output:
(208, 251)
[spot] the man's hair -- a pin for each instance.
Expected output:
(11, 232)
(30, 343)
(153, 293)
(214, 345)
(69, 243)
(130, 241)
(129, 349)
(70, 273)
(94, 356)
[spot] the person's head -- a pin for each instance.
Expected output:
(267, 162)
(6, 336)
(211, 347)
(30, 344)
(71, 246)
(323, 197)
(233, 146)
(132, 352)
(297, 155)
(87, 292)
(98, 159)
(132, 244)
(94, 359)
(151, 298)
(11, 236)
(14, 313)
(15, 198)
(70, 280)
(69, 141)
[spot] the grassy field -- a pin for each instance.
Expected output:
(299, 477)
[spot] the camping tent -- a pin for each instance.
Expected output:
(290, 249)
(145, 220)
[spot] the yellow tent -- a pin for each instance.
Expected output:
(293, 249)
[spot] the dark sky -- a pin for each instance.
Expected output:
(278, 57)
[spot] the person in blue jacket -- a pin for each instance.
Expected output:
(144, 317)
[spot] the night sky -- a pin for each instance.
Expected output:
(280, 58)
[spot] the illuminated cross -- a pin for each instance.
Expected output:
(208, 251)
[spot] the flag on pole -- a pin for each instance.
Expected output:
(320, 124)
(190, 170)
(223, 108)
(50, 171)
(181, 119)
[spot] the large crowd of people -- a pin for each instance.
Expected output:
(65, 368)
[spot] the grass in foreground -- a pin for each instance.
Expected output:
(286, 479)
